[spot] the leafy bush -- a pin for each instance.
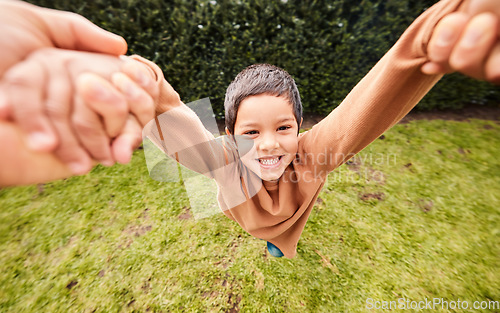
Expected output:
(328, 46)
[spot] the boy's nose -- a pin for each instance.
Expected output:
(268, 143)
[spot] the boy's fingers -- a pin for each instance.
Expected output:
(68, 150)
(91, 133)
(140, 75)
(104, 99)
(123, 146)
(25, 98)
(72, 154)
(445, 36)
(59, 107)
(146, 78)
(475, 45)
(76, 158)
(492, 66)
(140, 103)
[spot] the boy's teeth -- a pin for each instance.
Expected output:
(269, 161)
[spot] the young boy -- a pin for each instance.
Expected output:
(271, 187)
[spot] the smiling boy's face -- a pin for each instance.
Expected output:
(270, 122)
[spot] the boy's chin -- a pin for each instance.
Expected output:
(270, 176)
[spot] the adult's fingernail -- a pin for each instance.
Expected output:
(471, 38)
(100, 92)
(126, 155)
(40, 141)
(445, 37)
(108, 163)
(78, 168)
(131, 91)
(142, 78)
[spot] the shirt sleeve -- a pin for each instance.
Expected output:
(179, 133)
(382, 98)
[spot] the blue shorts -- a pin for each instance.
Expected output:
(273, 250)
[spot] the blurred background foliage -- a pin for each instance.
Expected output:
(327, 46)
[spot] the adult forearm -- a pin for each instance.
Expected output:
(20, 165)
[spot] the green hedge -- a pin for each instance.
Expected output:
(328, 46)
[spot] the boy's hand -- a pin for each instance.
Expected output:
(468, 42)
(26, 28)
(47, 108)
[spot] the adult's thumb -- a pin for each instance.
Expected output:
(476, 7)
(72, 31)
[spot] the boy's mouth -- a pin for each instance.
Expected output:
(269, 162)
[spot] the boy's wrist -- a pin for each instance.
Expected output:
(167, 99)
(163, 94)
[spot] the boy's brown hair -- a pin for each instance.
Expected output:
(260, 79)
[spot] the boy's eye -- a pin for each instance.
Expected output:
(284, 127)
(251, 132)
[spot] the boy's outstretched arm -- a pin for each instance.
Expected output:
(467, 41)
(385, 95)
(181, 134)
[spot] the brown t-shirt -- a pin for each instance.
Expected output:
(277, 212)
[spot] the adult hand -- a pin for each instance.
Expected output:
(26, 28)
(467, 41)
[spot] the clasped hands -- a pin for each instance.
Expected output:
(83, 107)
(68, 100)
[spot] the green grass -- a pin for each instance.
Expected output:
(416, 215)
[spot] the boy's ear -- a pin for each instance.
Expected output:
(227, 131)
(301, 120)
